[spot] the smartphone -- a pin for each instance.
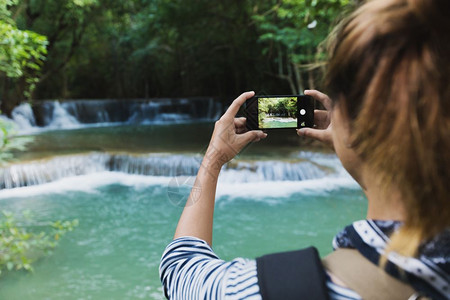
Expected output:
(277, 112)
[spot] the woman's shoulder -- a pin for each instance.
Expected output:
(233, 279)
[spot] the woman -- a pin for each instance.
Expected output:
(389, 123)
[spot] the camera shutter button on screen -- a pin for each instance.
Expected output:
(302, 112)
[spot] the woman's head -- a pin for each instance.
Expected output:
(389, 74)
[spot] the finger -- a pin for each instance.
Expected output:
(241, 129)
(240, 125)
(321, 97)
(323, 136)
(321, 119)
(251, 136)
(237, 103)
(239, 122)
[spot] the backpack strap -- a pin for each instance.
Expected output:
(292, 275)
(365, 278)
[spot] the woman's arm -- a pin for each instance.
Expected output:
(189, 269)
(229, 137)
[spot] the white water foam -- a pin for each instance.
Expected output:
(162, 164)
(62, 119)
(85, 183)
(253, 190)
(77, 114)
(261, 190)
(23, 118)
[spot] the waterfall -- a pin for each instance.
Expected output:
(62, 119)
(44, 171)
(271, 171)
(23, 116)
(80, 113)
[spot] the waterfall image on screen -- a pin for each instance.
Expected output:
(277, 112)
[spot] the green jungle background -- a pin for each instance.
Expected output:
(59, 49)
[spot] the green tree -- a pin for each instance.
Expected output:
(198, 47)
(22, 54)
(64, 23)
(21, 245)
(291, 107)
(164, 48)
(22, 241)
(146, 48)
(9, 142)
(290, 34)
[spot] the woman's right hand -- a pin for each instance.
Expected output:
(322, 120)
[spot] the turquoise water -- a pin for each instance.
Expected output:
(127, 220)
(174, 138)
(115, 251)
(278, 124)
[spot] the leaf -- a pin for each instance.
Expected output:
(21, 52)
(19, 246)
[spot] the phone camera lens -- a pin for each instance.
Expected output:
(302, 112)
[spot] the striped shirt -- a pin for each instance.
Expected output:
(190, 269)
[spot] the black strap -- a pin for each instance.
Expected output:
(292, 275)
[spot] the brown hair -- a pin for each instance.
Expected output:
(389, 71)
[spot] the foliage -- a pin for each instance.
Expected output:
(172, 48)
(22, 53)
(290, 34)
(278, 107)
(9, 142)
(164, 48)
(21, 246)
(5, 14)
(63, 22)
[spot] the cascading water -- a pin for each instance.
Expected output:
(241, 171)
(23, 116)
(81, 113)
(270, 198)
(61, 118)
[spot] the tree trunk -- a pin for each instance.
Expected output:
(65, 90)
(311, 80)
(299, 79)
(4, 99)
(7, 103)
(290, 77)
(291, 84)
(280, 61)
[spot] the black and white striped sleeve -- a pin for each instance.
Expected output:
(189, 269)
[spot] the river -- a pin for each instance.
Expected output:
(125, 175)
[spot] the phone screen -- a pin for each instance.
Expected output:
(277, 112)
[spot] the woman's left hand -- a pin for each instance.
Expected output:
(230, 135)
